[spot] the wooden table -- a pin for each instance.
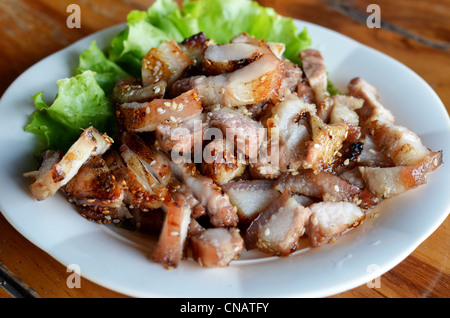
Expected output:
(416, 33)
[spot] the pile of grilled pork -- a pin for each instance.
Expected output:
(222, 148)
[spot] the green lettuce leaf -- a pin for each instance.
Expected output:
(80, 103)
(107, 73)
(220, 20)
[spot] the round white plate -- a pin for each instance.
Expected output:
(119, 260)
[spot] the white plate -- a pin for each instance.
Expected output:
(119, 260)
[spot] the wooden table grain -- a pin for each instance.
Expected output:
(417, 33)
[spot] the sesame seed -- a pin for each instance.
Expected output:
(167, 104)
(336, 188)
(160, 110)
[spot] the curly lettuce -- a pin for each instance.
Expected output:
(80, 103)
(220, 20)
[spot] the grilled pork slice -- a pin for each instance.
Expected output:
(245, 132)
(167, 62)
(401, 145)
(130, 187)
(277, 48)
(327, 140)
(131, 90)
(304, 91)
(154, 161)
(220, 162)
(257, 82)
(250, 197)
(95, 185)
(217, 247)
(227, 58)
(145, 117)
(292, 76)
(372, 108)
(277, 229)
(158, 165)
(172, 239)
(325, 186)
(183, 138)
(180, 192)
(371, 155)
(195, 47)
(289, 127)
(386, 182)
(330, 219)
(344, 110)
(49, 158)
(144, 189)
(217, 203)
(315, 70)
(52, 176)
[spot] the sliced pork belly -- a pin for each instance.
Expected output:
(145, 117)
(257, 82)
(195, 47)
(372, 156)
(95, 185)
(172, 239)
(182, 138)
(326, 142)
(326, 186)
(49, 158)
(247, 133)
(250, 197)
(344, 110)
(55, 175)
(130, 90)
(292, 130)
(220, 162)
(291, 77)
(154, 161)
(330, 219)
(385, 182)
(167, 62)
(353, 175)
(372, 108)
(217, 247)
(145, 190)
(181, 192)
(276, 47)
(315, 70)
(227, 58)
(304, 91)
(277, 229)
(217, 204)
(401, 145)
